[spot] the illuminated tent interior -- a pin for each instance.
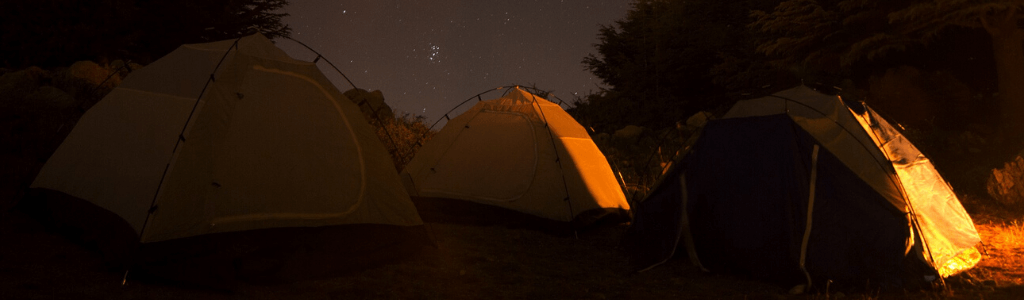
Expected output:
(799, 188)
(229, 146)
(519, 152)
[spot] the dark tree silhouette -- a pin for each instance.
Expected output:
(832, 36)
(51, 33)
(668, 59)
(171, 23)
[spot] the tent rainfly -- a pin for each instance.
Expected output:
(798, 187)
(519, 152)
(227, 137)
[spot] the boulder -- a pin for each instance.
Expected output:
(93, 73)
(921, 99)
(698, 120)
(627, 136)
(1006, 185)
(122, 68)
(370, 103)
(14, 86)
(601, 139)
(51, 97)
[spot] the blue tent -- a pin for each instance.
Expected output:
(796, 188)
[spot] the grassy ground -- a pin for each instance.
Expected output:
(483, 262)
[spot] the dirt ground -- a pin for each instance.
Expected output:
(481, 262)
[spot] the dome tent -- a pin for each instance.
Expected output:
(520, 152)
(799, 187)
(227, 141)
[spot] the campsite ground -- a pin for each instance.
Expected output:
(486, 262)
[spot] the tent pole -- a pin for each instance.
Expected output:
(866, 148)
(181, 138)
(684, 221)
(558, 159)
(319, 56)
(112, 73)
(375, 111)
(810, 213)
(899, 183)
(650, 157)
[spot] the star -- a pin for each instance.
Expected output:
(462, 44)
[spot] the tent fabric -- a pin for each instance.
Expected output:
(519, 152)
(944, 223)
(228, 136)
(224, 260)
(880, 209)
(830, 122)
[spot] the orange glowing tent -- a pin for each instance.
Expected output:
(519, 152)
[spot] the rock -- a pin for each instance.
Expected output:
(14, 86)
(93, 73)
(134, 66)
(698, 120)
(121, 68)
(116, 64)
(627, 136)
(920, 99)
(601, 139)
(370, 102)
(51, 97)
(1006, 185)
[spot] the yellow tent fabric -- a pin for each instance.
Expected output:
(519, 152)
(270, 143)
(945, 226)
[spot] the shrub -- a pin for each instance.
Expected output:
(402, 135)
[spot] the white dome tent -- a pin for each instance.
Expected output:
(226, 137)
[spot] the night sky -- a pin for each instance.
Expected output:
(427, 56)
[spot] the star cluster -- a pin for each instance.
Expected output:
(427, 56)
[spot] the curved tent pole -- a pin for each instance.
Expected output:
(319, 56)
(890, 169)
(661, 141)
(880, 164)
(910, 206)
(376, 111)
(893, 178)
(477, 96)
(181, 137)
(112, 73)
(809, 216)
(558, 158)
(447, 115)
(866, 148)
(532, 91)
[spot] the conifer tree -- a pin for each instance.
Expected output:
(53, 33)
(668, 59)
(831, 36)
